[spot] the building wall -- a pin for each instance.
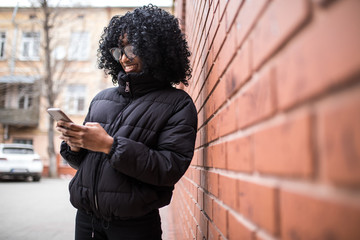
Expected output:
(276, 85)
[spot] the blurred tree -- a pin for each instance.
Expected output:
(53, 75)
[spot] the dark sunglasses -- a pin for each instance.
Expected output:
(118, 53)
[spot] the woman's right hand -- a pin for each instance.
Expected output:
(62, 127)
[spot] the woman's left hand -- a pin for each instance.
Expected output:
(91, 136)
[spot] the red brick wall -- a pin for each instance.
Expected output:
(277, 88)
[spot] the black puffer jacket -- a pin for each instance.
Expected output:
(154, 130)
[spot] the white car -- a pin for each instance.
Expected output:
(20, 161)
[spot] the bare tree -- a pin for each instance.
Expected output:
(53, 76)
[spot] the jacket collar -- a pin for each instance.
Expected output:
(138, 84)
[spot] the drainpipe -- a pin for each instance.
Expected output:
(13, 50)
(12, 60)
(6, 132)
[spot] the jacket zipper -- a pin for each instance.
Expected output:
(98, 169)
(96, 202)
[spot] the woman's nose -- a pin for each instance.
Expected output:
(124, 58)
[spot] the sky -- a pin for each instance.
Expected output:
(94, 3)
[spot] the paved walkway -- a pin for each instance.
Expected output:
(36, 210)
(167, 224)
(42, 211)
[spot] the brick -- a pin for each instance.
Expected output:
(199, 234)
(260, 204)
(216, 99)
(201, 120)
(208, 21)
(285, 148)
(227, 120)
(228, 187)
(205, 10)
(215, 4)
(193, 191)
(212, 79)
(214, 27)
(339, 137)
(231, 11)
(203, 180)
(200, 156)
(208, 201)
(238, 231)
(196, 176)
(227, 51)
(193, 226)
(220, 217)
(213, 183)
(212, 129)
(219, 37)
(202, 55)
(258, 100)
(247, 17)
(280, 20)
(217, 155)
(239, 70)
(222, 8)
(195, 159)
(239, 155)
(203, 224)
(316, 61)
(200, 198)
(307, 217)
(213, 234)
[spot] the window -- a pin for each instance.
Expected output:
(16, 150)
(2, 44)
(30, 46)
(59, 53)
(75, 99)
(79, 46)
(25, 96)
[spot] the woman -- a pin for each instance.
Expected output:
(138, 138)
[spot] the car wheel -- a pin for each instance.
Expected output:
(36, 178)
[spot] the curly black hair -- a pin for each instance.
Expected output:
(157, 39)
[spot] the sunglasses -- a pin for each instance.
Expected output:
(118, 53)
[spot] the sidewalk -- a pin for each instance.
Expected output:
(36, 210)
(167, 224)
(42, 211)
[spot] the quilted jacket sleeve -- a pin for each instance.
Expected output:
(166, 164)
(73, 158)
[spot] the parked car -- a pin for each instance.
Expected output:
(20, 161)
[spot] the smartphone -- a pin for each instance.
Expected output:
(58, 115)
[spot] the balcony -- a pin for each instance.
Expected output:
(19, 103)
(20, 117)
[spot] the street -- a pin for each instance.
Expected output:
(42, 211)
(36, 210)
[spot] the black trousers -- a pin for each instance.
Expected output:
(146, 227)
